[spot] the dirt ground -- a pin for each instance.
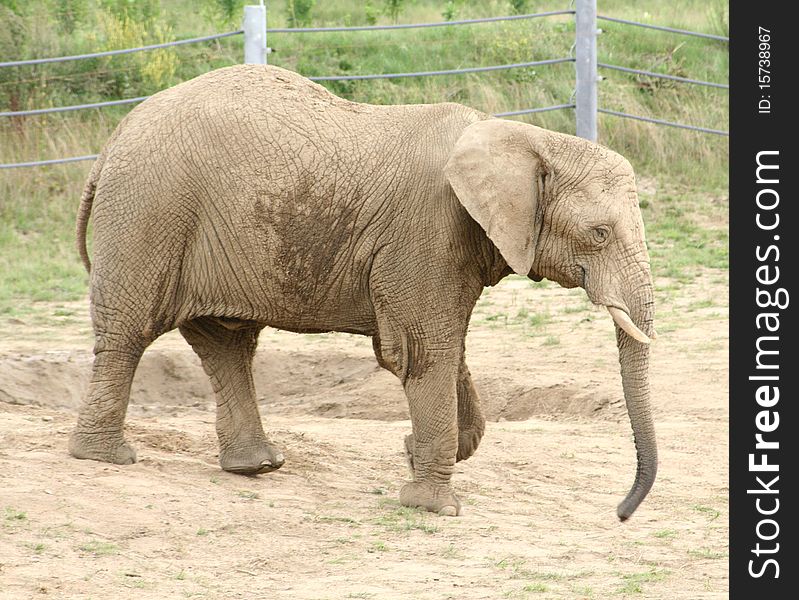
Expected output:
(539, 496)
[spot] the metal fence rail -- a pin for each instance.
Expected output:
(52, 161)
(551, 13)
(708, 36)
(552, 61)
(255, 32)
(57, 59)
(662, 122)
(664, 76)
(57, 109)
(529, 111)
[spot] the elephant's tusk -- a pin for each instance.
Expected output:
(624, 321)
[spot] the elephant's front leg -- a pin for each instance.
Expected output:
(227, 355)
(433, 403)
(471, 422)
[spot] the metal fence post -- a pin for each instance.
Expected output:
(585, 65)
(255, 34)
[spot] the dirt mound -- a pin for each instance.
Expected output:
(327, 383)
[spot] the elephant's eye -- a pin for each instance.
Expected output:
(600, 234)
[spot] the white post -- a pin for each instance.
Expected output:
(255, 34)
(585, 65)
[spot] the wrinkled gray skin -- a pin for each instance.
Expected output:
(251, 197)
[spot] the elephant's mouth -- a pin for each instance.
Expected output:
(621, 315)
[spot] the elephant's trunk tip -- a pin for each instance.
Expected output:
(644, 480)
(624, 512)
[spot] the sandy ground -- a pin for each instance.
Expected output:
(539, 496)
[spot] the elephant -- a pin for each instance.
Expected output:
(251, 197)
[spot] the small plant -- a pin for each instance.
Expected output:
(394, 8)
(403, 518)
(38, 548)
(202, 532)
(665, 534)
(538, 319)
(300, 12)
(518, 7)
(370, 12)
(707, 553)
(69, 14)
(12, 514)
(709, 511)
(633, 581)
(450, 12)
(99, 548)
(378, 547)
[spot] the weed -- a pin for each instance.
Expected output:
(633, 581)
(12, 514)
(403, 518)
(99, 548)
(582, 591)
(707, 553)
(334, 519)
(709, 511)
(665, 534)
(38, 548)
(248, 494)
(538, 320)
(452, 551)
(202, 532)
(378, 547)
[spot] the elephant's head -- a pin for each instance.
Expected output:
(560, 207)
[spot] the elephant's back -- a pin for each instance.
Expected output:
(243, 91)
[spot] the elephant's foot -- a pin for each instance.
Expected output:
(92, 446)
(435, 498)
(251, 460)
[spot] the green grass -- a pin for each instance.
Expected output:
(12, 514)
(635, 583)
(400, 519)
(666, 534)
(686, 222)
(248, 494)
(711, 513)
(99, 548)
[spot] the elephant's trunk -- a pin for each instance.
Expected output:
(634, 360)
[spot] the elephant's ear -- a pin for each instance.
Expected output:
(498, 178)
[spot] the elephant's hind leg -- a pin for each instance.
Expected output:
(226, 353)
(98, 434)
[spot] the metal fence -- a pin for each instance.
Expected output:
(584, 102)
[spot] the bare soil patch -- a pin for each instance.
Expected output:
(539, 495)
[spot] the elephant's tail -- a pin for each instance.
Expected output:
(85, 209)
